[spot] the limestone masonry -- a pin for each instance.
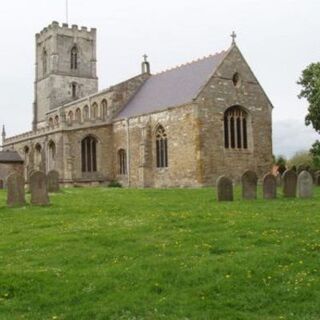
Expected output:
(184, 127)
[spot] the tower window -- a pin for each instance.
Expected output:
(161, 147)
(235, 129)
(74, 58)
(74, 90)
(44, 62)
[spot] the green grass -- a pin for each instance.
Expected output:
(160, 254)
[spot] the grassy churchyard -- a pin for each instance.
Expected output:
(160, 254)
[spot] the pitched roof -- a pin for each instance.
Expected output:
(173, 87)
(10, 157)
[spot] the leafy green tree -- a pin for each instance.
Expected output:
(301, 160)
(315, 152)
(310, 82)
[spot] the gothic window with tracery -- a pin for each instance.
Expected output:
(74, 58)
(161, 147)
(89, 154)
(104, 108)
(235, 128)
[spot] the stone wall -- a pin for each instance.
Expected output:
(7, 168)
(220, 94)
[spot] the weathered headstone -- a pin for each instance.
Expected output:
(269, 186)
(289, 184)
(15, 192)
(53, 181)
(224, 189)
(39, 188)
(304, 185)
(249, 182)
(1, 184)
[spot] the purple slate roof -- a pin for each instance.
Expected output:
(173, 87)
(10, 157)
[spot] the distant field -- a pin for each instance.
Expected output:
(160, 254)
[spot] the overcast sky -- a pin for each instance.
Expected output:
(278, 39)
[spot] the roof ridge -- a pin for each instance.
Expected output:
(190, 62)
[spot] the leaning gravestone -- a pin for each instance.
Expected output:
(249, 182)
(39, 189)
(224, 189)
(289, 184)
(305, 185)
(269, 186)
(53, 181)
(15, 193)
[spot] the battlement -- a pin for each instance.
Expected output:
(64, 28)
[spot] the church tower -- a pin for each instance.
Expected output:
(65, 68)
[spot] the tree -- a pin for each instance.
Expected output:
(281, 161)
(315, 152)
(301, 160)
(310, 82)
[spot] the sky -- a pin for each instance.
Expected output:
(278, 39)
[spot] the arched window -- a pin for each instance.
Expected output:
(94, 111)
(70, 117)
(89, 154)
(122, 158)
(44, 61)
(38, 156)
(56, 120)
(74, 90)
(235, 128)
(78, 115)
(74, 58)
(161, 147)
(104, 109)
(50, 122)
(236, 80)
(85, 113)
(51, 154)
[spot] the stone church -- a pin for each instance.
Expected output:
(183, 127)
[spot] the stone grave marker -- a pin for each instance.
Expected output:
(269, 186)
(289, 184)
(39, 188)
(15, 190)
(53, 181)
(249, 182)
(304, 185)
(224, 189)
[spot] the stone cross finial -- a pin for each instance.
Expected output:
(145, 57)
(233, 36)
(3, 131)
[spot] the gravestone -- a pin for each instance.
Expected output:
(305, 185)
(15, 190)
(279, 180)
(249, 182)
(224, 189)
(1, 184)
(269, 186)
(289, 184)
(39, 188)
(53, 181)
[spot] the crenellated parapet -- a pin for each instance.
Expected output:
(65, 29)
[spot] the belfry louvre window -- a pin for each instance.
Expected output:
(74, 58)
(161, 148)
(235, 128)
(122, 161)
(89, 154)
